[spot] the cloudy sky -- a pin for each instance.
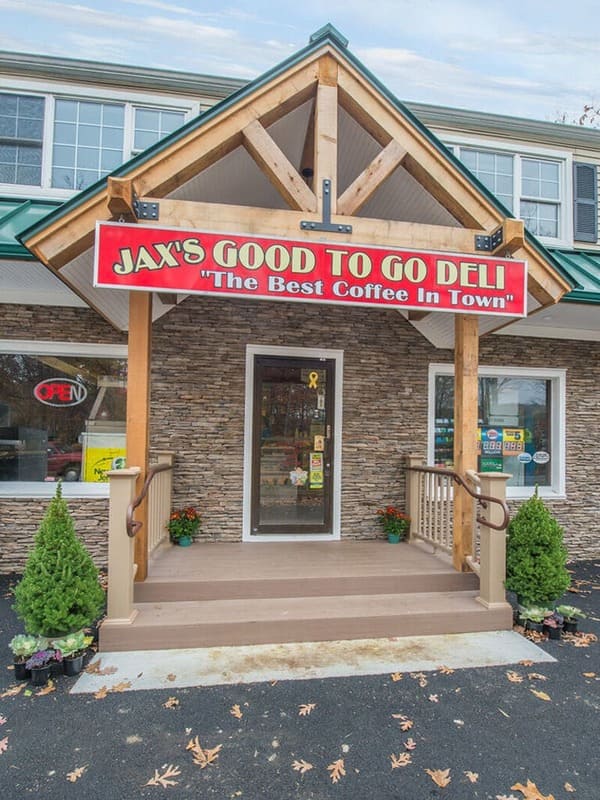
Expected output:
(522, 57)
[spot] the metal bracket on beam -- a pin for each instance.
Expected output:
(144, 210)
(489, 243)
(326, 224)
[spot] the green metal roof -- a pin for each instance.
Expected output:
(327, 35)
(15, 217)
(583, 267)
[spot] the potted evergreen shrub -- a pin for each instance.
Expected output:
(535, 555)
(59, 592)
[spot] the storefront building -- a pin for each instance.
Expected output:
(289, 396)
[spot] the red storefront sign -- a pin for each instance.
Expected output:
(260, 267)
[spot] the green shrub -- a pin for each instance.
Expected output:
(535, 555)
(59, 592)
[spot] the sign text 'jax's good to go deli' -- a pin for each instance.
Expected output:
(238, 265)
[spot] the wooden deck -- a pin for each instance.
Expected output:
(257, 593)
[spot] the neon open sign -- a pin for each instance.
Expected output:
(60, 392)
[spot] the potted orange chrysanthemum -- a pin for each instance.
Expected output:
(183, 525)
(394, 522)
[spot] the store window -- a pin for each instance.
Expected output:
(521, 426)
(152, 124)
(62, 417)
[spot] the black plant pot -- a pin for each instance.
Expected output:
(570, 626)
(534, 626)
(40, 675)
(553, 633)
(73, 666)
(21, 671)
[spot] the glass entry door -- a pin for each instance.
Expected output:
(292, 453)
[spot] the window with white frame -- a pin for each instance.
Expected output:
(521, 425)
(62, 415)
(68, 143)
(21, 138)
(532, 187)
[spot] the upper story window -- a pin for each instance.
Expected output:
(21, 135)
(532, 188)
(68, 143)
(88, 142)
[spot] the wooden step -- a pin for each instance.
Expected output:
(386, 582)
(205, 623)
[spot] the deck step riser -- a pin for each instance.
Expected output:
(277, 632)
(171, 591)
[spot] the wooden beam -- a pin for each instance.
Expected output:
(138, 410)
(423, 160)
(513, 237)
(326, 133)
(278, 169)
(245, 219)
(371, 178)
(466, 362)
(120, 197)
(307, 162)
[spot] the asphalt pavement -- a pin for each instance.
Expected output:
(527, 731)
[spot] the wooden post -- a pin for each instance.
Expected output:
(138, 410)
(413, 499)
(120, 547)
(326, 133)
(492, 543)
(466, 362)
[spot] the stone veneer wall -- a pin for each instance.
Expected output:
(198, 387)
(20, 518)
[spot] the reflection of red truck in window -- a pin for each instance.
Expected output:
(64, 461)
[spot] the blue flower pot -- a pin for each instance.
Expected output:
(184, 541)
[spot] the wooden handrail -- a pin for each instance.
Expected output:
(133, 526)
(483, 499)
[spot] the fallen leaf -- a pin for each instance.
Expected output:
(301, 766)
(514, 677)
(171, 702)
(401, 760)
(76, 774)
(506, 797)
(163, 780)
(47, 689)
(526, 662)
(535, 676)
(441, 777)
(396, 676)
(504, 713)
(336, 770)
(542, 696)
(273, 683)
(13, 690)
(410, 744)
(203, 757)
(120, 687)
(2, 720)
(531, 792)
(405, 724)
(171, 677)
(101, 693)
(569, 787)
(236, 711)
(4, 744)
(585, 675)
(445, 670)
(472, 776)
(94, 669)
(433, 698)
(306, 709)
